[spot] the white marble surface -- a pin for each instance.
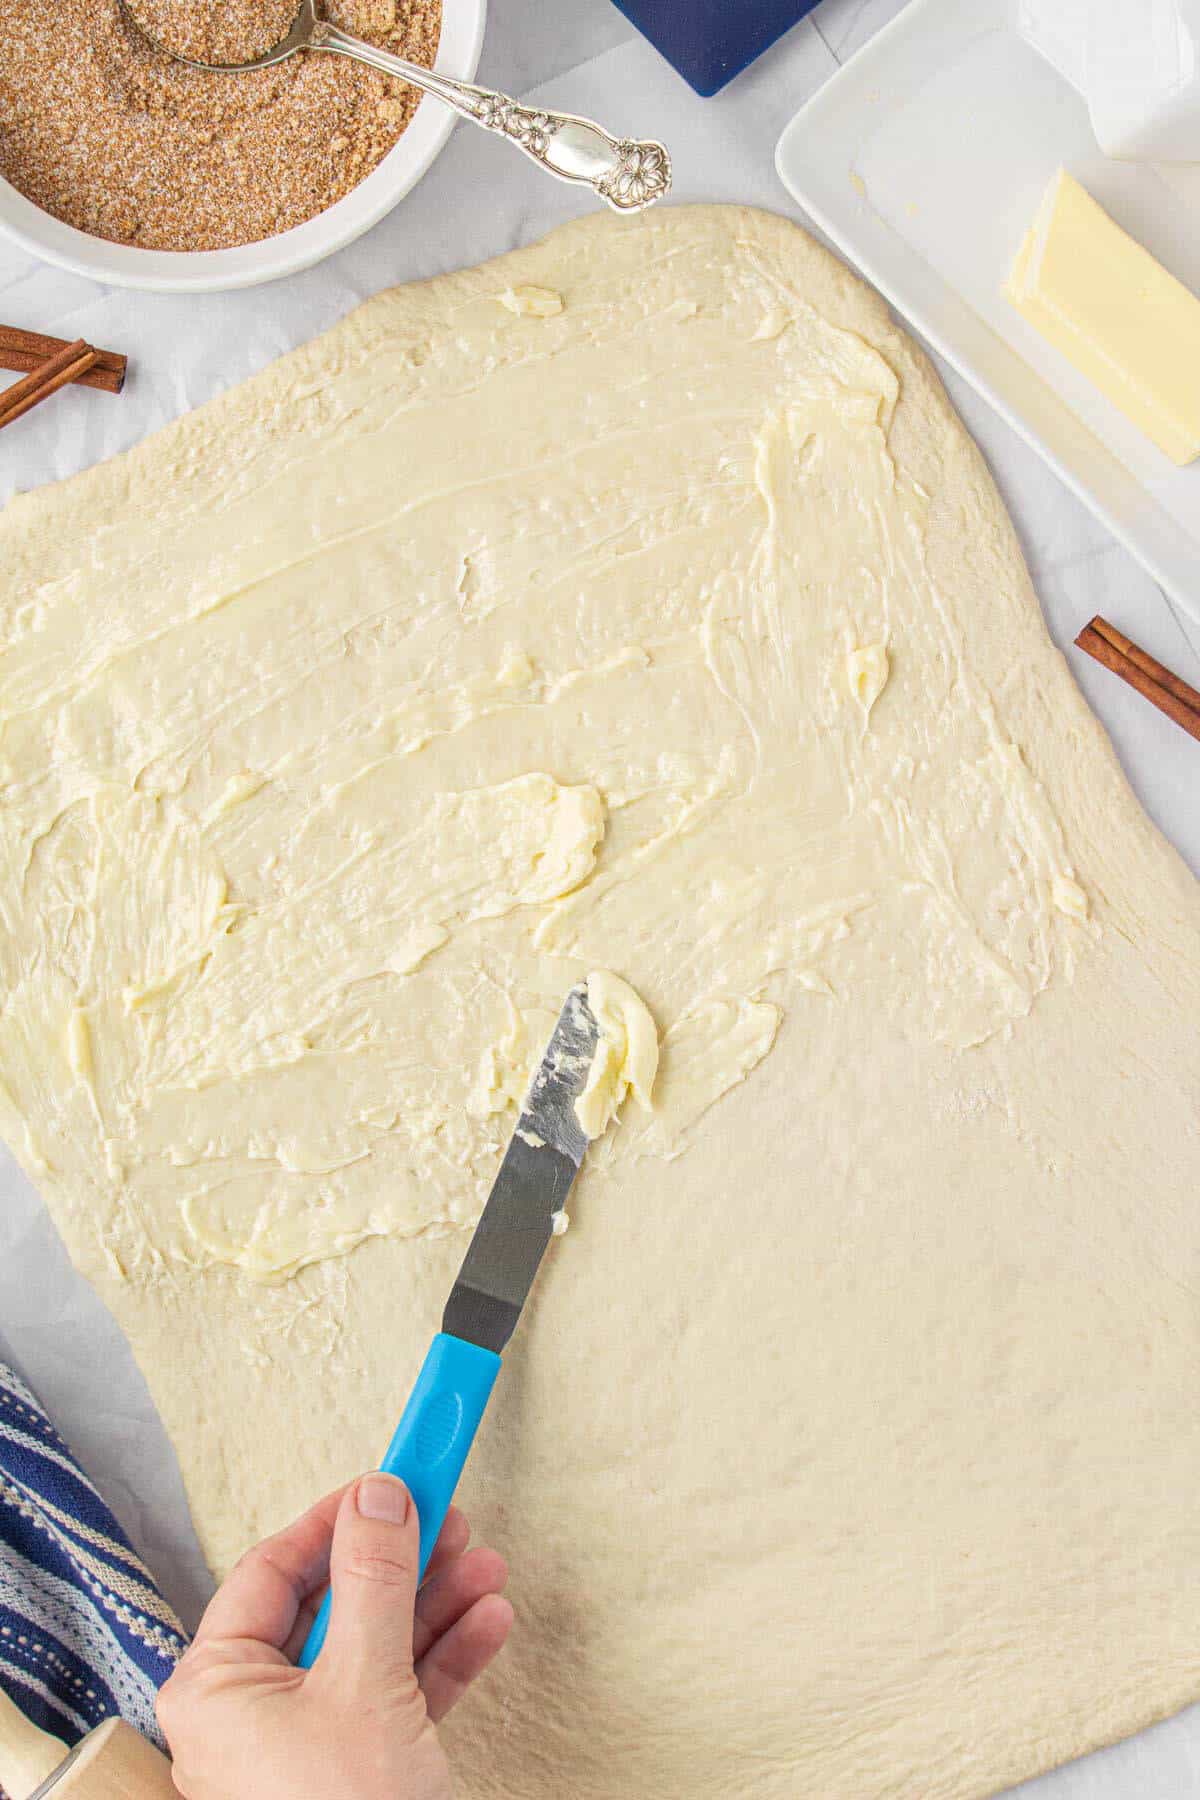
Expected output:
(481, 198)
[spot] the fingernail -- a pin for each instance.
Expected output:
(383, 1497)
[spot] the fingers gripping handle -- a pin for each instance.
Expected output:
(434, 1437)
(431, 1445)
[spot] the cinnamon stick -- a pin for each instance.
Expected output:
(1147, 663)
(71, 361)
(1156, 683)
(24, 351)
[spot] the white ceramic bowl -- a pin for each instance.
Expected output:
(205, 271)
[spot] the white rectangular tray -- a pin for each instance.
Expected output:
(924, 160)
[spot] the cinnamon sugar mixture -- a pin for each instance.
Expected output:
(103, 130)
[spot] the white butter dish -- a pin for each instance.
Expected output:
(1136, 63)
(925, 160)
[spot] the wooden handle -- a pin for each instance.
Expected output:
(27, 1755)
(116, 1763)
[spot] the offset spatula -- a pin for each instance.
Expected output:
(435, 1435)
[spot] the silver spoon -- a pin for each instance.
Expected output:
(627, 173)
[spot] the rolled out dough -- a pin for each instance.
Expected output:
(849, 1444)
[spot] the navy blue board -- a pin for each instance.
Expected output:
(711, 41)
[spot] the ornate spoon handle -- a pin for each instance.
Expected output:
(628, 174)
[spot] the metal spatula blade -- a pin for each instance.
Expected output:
(541, 1162)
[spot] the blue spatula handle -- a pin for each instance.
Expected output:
(431, 1445)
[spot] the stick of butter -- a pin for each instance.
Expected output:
(1113, 311)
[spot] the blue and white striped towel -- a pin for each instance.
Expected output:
(84, 1632)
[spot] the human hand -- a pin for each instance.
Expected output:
(244, 1723)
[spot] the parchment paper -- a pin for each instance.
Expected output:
(479, 199)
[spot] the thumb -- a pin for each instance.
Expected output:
(373, 1570)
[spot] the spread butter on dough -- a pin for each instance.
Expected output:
(851, 1449)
